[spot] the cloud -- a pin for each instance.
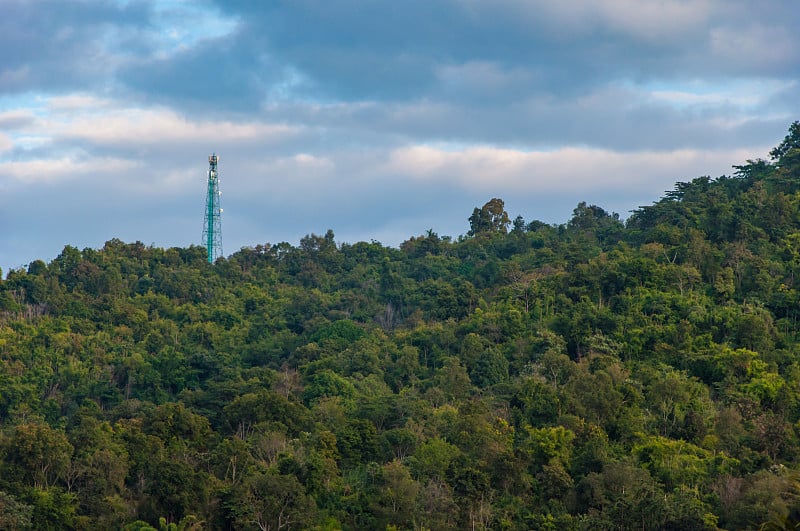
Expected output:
(43, 171)
(12, 78)
(391, 51)
(90, 125)
(621, 118)
(377, 119)
(652, 21)
(484, 169)
(771, 50)
(646, 21)
(78, 102)
(239, 55)
(5, 143)
(60, 45)
(155, 126)
(290, 178)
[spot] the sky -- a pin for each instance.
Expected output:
(377, 119)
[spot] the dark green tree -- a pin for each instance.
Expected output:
(491, 217)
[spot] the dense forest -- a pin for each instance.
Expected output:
(598, 374)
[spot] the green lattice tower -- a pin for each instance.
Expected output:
(212, 227)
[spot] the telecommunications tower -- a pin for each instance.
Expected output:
(212, 227)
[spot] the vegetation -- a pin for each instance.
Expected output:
(591, 375)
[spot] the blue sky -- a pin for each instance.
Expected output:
(377, 119)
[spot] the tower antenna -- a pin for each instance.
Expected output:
(212, 227)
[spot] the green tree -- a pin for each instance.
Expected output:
(38, 454)
(790, 142)
(13, 513)
(491, 217)
(621, 497)
(272, 502)
(432, 459)
(398, 493)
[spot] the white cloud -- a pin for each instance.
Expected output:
(145, 151)
(562, 170)
(745, 94)
(155, 126)
(52, 170)
(5, 143)
(106, 122)
(16, 118)
(77, 102)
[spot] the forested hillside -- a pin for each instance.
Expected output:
(598, 374)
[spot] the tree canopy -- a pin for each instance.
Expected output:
(598, 374)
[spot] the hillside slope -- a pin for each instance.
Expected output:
(592, 375)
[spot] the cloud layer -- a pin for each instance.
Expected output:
(378, 120)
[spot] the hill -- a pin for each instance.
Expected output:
(590, 375)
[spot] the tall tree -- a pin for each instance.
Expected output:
(491, 217)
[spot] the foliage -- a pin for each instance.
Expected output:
(598, 374)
